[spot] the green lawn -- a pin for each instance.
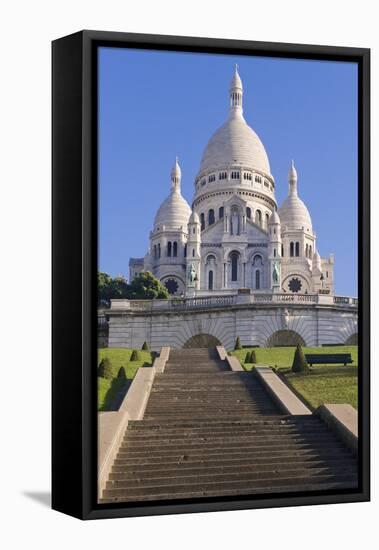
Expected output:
(323, 384)
(119, 357)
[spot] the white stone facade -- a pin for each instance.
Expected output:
(235, 236)
(258, 319)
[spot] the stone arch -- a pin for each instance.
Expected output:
(202, 340)
(352, 340)
(283, 338)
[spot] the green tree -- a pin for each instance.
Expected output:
(247, 357)
(145, 346)
(253, 357)
(121, 373)
(146, 287)
(109, 288)
(299, 362)
(238, 343)
(135, 356)
(105, 369)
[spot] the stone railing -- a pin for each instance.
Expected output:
(227, 300)
(201, 302)
(345, 300)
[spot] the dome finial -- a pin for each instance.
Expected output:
(176, 176)
(292, 179)
(236, 92)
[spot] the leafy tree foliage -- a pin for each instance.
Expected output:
(145, 346)
(109, 288)
(238, 343)
(135, 356)
(146, 287)
(253, 357)
(121, 373)
(143, 287)
(299, 362)
(105, 369)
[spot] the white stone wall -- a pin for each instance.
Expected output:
(254, 325)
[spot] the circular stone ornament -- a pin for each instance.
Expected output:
(171, 285)
(295, 284)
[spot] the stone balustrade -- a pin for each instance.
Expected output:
(227, 300)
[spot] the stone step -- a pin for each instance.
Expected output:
(246, 420)
(129, 468)
(236, 457)
(188, 444)
(221, 487)
(237, 432)
(248, 490)
(121, 481)
(208, 449)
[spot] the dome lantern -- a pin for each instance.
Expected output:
(236, 93)
(176, 176)
(292, 179)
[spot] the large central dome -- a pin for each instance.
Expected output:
(235, 143)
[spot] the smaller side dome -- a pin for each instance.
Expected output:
(194, 218)
(274, 218)
(316, 261)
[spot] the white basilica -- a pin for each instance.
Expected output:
(235, 237)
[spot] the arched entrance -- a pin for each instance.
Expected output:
(352, 340)
(202, 341)
(282, 338)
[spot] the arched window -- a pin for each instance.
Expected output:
(175, 249)
(155, 251)
(306, 251)
(258, 217)
(257, 279)
(274, 252)
(221, 212)
(193, 253)
(297, 249)
(169, 248)
(310, 251)
(248, 212)
(291, 249)
(282, 254)
(159, 250)
(210, 280)
(257, 260)
(185, 250)
(234, 260)
(202, 221)
(211, 217)
(267, 218)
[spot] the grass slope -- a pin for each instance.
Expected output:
(107, 389)
(324, 384)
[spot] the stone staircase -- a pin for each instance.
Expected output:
(209, 431)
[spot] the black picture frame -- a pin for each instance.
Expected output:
(74, 333)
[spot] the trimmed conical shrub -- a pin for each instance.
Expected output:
(145, 346)
(247, 358)
(299, 362)
(105, 369)
(121, 373)
(238, 343)
(253, 357)
(135, 356)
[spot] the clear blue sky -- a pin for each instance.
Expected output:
(155, 105)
